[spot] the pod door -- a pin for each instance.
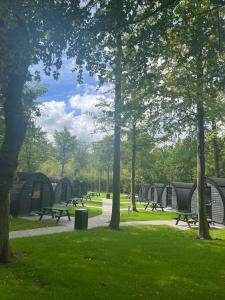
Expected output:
(36, 196)
(152, 194)
(169, 196)
(63, 192)
(208, 202)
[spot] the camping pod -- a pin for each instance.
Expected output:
(83, 188)
(177, 195)
(80, 188)
(143, 192)
(30, 192)
(214, 199)
(167, 194)
(155, 192)
(63, 189)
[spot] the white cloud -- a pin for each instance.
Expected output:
(55, 115)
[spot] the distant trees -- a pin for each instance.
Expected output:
(65, 144)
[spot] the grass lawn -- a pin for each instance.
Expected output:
(133, 263)
(92, 211)
(21, 224)
(93, 203)
(147, 215)
(125, 204)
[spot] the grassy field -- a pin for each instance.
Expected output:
(133, 263)
(22, 224)
(92, 211)
(147, 215)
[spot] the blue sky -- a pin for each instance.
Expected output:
(68, 103)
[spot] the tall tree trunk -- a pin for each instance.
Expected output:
(14, 135)
(203, 226)
(107, 182)
(62, 169)
(216, 150)
(133, 167)
(115, 218)
(99, 182)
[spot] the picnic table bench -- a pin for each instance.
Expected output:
(154, 206)
(76, 201)
(55, 212)
(190, 218)
(92, 194)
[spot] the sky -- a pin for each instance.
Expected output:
(69, 104)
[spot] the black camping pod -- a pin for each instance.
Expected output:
(63, 189)
(214, 199)
(30, 192)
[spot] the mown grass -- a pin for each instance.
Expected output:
(92, 211)
(22, 224)
(133, 263)
(125, 204)
(147, 215)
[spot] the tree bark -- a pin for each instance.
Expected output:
(99, 182)
(203, 225)
(216, 150)
(133, 167)
(62, 169)
(115, 218)
(15, 129)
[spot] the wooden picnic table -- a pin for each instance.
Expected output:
(92, 194)
(154, 206)
(189, 218)
(76, 200)
(55, 212)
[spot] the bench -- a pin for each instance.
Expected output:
(190, 218)
(76, 201)
(154, 206)
(92, 194)
(54, 212)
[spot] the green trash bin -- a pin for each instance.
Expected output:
(81, 219)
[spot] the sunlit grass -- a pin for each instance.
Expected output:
(133, 263)
(147, 215)
(22, 224)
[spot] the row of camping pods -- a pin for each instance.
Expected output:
(182, 196)
(33, 191)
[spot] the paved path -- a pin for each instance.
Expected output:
(98, 221)
(101, 220)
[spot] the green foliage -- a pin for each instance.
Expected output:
(65, 144)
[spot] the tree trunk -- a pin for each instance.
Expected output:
(62, 169)
(14, 135)
(107, 182)
(133, 166)
(99, 182)
(203, 226)
(216, 150)
(115, 218)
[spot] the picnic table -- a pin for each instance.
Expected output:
(154, 205)
(92, 194)
(55, 212)
(190, 218)
(76, 201)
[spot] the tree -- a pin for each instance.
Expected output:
(192, 67)
(29, 32)
(65, 145)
